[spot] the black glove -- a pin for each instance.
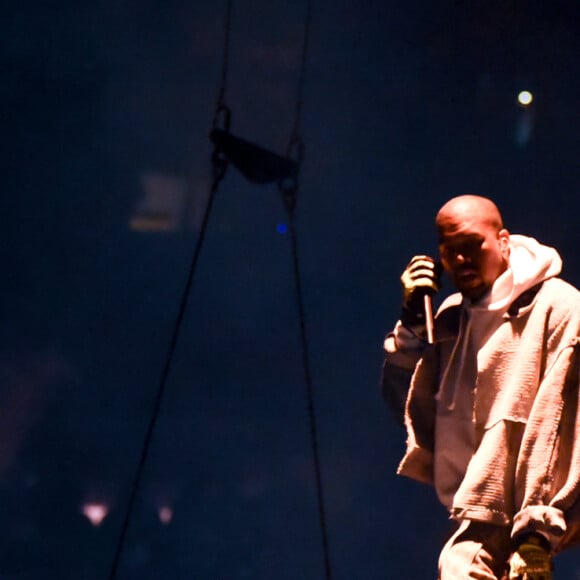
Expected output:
(420, 277)
(531, 560)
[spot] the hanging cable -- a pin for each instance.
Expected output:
(295, 133)
(225, 60)
(289, 188)
(222, 121)
(310, 401)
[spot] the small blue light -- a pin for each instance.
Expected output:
(281, 228)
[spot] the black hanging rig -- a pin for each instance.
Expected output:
(261, 166)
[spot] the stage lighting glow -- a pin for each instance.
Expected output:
(165, 515)
(525, 98)
(95, 512)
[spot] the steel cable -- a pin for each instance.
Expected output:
(219, 166)
(289, 189)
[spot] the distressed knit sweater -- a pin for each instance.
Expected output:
(492, 411)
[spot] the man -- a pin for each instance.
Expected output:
(491, 407)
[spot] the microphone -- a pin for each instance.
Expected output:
(428, 306)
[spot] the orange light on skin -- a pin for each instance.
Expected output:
(525, 98)
(95, 512)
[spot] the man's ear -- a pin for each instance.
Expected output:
(504, 240)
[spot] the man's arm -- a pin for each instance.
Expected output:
(402, 351)
(548, 465)
(404, 345)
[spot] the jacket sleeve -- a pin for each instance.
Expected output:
(548, 466)
(398, 367)
(417, 462)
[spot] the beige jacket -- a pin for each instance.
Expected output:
(500, 441)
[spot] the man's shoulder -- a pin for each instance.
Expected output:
(560, 293)
(560, 301)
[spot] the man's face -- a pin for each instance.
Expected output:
(473, 252)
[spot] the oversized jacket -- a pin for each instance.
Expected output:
(525, 471)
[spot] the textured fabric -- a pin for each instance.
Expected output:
(522, 467)
(475, 550)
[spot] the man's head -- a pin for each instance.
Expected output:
(473, 244)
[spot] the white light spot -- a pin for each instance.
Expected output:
(95, 512)
(525, 98)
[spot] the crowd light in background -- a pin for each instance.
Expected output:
(165, 515)
(525, 98)
(162, 204)
(95, 512)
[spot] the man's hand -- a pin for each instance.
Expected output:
(420, 277)
(531, 560)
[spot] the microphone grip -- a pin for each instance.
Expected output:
(429, 318)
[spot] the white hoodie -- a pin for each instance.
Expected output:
(458, 433)
(492, 413)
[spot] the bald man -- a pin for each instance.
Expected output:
(491, 404)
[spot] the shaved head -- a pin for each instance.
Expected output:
(471, 205)
(473, 244)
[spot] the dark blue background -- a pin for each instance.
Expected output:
(405, 105)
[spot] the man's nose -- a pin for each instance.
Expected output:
(459, 258)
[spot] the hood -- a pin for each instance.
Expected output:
(529, 264)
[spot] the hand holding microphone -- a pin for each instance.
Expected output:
(531, 560)
(420, 280)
